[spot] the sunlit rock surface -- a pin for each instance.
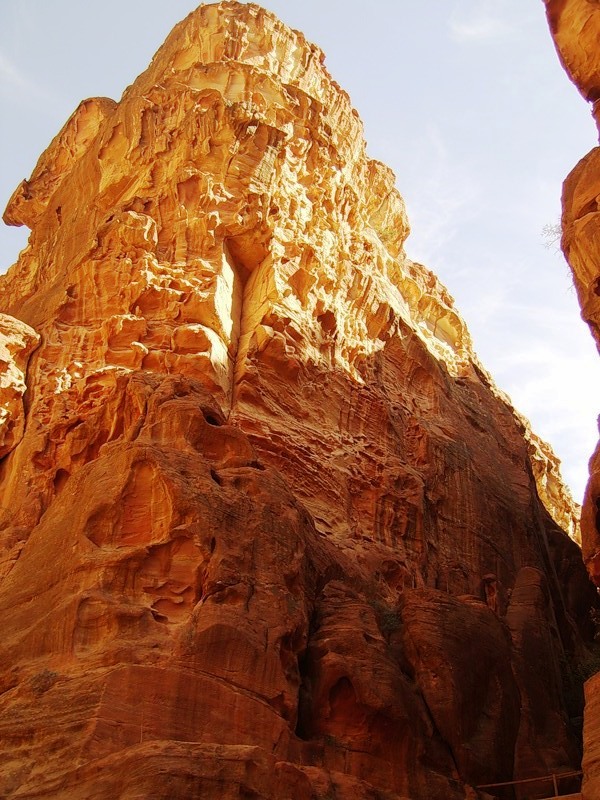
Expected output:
(17, 341)
(271, 530)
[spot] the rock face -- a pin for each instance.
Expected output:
(575, 26)
(591, 737)
(270, 531)
(17, 341)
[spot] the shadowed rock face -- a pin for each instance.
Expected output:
(268, 528)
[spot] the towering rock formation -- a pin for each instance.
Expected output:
(268, 529)
(575, 27)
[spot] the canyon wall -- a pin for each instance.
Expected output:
(575, 27)
(267, 527)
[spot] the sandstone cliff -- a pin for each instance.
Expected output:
(575, 26)
(268, 529)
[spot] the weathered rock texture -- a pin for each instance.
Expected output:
(591, 737)
(575, 26)
(17, 341)
(270, 531)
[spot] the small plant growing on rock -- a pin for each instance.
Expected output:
(388, 619)
(43, 681)
(551, 235)
(590, 665)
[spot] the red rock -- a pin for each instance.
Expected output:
(459, 652)
(591, 754)
(575, 27)
(17, 341)
(261, 530)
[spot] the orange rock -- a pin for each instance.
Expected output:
(260, 533)
(575, 27)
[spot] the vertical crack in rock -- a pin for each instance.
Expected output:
(245, 255)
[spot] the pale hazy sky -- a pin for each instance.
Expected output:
(464, 99)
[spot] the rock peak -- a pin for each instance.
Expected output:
(265, 519)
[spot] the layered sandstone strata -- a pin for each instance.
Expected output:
(270, 530)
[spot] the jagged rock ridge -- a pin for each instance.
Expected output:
(269, 529)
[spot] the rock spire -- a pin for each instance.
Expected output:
(267, 527)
